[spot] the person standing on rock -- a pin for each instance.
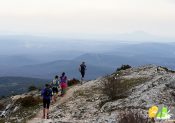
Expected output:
(47, 96)
(82, 70)
(63, 83)
(55, 85)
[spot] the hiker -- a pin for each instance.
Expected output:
(47, 96)
(82, 70)
(63, 83)
(55, 86)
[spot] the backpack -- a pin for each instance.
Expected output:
(82, 67)
(47, 92)
(55, 83)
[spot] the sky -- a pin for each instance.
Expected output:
(78, 18)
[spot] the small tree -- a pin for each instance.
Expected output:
(124, 67)
(73, 82)
(32, 88)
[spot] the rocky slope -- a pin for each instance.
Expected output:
(88, 104)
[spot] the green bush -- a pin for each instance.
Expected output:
(29, 101)
(124, 67)
(32, 88)
(73, 82)
(131, 117)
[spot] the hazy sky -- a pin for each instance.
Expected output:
(73, 17)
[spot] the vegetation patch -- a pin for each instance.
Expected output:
(28, 108)
(32, 88)
(24, 114)
(131, 117)
(168, 70)
(88, 92)
(124, 67)
(29, 101)
(73, 82)
(1, 106)
(117, 88)
(2, 121)
(134, 81)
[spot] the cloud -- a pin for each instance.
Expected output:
(87, 16)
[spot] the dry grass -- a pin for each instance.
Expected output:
(117, 88)
(1, 106)
(87, 92)
(29, 101)
(131, 117)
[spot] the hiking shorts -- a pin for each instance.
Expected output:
(82, 73)
(63, 85)
(55, 90)
(46, 103)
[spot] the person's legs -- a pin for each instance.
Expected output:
(55, 93)
(82, 76)
(62, 89)
(54, 97)
(47, 109)
(44, 108)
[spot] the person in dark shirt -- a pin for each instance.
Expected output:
(46, 93)
(82, 70)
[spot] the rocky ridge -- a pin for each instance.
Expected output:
(87, 103)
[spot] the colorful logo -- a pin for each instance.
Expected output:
(161, 113)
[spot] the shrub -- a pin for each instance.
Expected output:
(29, 101)
(1, 106)
(114, 88)
(73, 82)
(2, 97)
(117, 88)
(124, 67)
(32, 88)
(131, 117)
(167, 70)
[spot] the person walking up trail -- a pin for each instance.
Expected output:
(47, 96)
(55, 86)
(82, 70)
(63, 83)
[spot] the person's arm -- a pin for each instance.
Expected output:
(42, 92)
(51, 94)
(80, 68)
(66, 79)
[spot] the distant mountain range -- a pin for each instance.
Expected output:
(24, 59)
(98, 64)
(17, 85)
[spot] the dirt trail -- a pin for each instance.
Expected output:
(60, 100)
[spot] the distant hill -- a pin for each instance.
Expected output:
(98, 63)
(16, 85)
(50, 69)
